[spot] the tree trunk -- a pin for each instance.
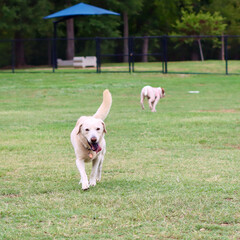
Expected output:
(200, 49)
(70, 39)
(19, 51)
(125, 35)
(145, 49)
(223, 55)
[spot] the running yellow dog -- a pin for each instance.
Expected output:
(88, 142)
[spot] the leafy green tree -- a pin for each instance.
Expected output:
(99, 25)
(69, 23)
(126, 8)
(230, 10)
(200, 24)
(22, 19)
(156, 18)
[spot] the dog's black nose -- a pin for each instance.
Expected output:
(93, 139)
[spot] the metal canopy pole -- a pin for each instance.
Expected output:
(55, 41)
(54, 58)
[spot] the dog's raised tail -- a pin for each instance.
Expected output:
(105, 107)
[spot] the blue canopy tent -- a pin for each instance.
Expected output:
(71, 12)
(80, 9)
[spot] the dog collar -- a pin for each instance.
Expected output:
(90, 152)
(86, 146)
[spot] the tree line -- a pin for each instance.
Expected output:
(24, 19)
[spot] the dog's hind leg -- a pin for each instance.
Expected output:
(155, 104)
(142, 100)
(150, 103)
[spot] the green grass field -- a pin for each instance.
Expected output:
(173, 174)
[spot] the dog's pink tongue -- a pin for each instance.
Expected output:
(98, 149)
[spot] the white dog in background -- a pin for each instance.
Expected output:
(88, 142)
(153, 95)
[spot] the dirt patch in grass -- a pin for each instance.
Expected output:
(233, 146)
(10, 195)
(222, 111)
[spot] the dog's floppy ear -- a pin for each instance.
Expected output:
(104, 127)
(163, 91)
(79, 129)
(80, 123)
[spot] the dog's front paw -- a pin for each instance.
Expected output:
(85, 186)
(98, 179)
(92, 182)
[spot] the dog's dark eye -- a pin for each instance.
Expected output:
(86, 129)
(98, 129)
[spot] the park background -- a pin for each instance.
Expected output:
(27, 37)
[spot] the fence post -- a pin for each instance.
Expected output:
(53, 55)
(130, 54)
(226, 52)
(13, 56)
(165, 54)
(133, 58)
(55, 45)
(98, 54)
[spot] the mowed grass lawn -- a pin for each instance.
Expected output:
(173, 174)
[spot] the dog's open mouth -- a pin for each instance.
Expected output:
(95, 147)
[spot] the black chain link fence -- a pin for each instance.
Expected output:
(164, 54)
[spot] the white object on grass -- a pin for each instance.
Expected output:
(193, 91)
